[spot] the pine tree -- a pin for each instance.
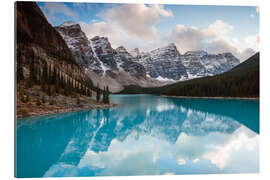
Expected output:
(49, 90)
(104, 100)
(90, 93)
(45, 73)
(78, 99)
(20, 75)
(51, 101)
(98, 93)
(21, 93)
(39, 80)
(54, 76)
(50, 75)
(56, 87)
(38, 102)
(43, 99)
(32, 75)
(107, 95)
(27, 98)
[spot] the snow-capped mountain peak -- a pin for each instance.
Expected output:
(196, 53)
(135, 52)
(169, 49)
(121, 49)
(68, 23)
(102, 45)
(161, 64)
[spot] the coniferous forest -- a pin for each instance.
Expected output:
(241, 81)
(49, 80)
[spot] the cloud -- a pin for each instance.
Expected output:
(246, 53)
(139, 30)
(83, 6)
(137, 20)
(239, 144)
(213, 39)
(251, 15)
(219, 29)
(102, 28)
(53, 8)
(216, 38)
(186, 38)
(252, 41)
(117, 37)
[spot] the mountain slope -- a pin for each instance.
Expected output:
(200, 63)
(251, 63)
(103, 64)
(168, 64)
(241, 81)
(164, 63)
(119, 67)
(49, 79)
(33, 31)
(77, 42)
(39, 42)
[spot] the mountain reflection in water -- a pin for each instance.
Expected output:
(146, 135)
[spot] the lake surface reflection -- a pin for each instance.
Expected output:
(146, 135)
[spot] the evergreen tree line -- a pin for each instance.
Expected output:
(105, 94)
(237, 84)
(244, 83)
(54, 81)
(241, 81)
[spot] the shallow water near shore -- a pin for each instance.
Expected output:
(145, 135)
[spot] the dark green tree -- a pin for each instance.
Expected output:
(107, 95)
(39, 79)
(32, 75)
(50, 75)
(43, 99)
(49, 90)
(54, 76)
(78, 99)
(104, 100)
(45, 73)
(98, 93)
(19, 67)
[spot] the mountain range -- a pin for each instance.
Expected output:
(120, 67)
(81, 61)
(240, 81)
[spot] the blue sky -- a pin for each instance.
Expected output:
(213, 28)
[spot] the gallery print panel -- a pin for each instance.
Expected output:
(106, 89)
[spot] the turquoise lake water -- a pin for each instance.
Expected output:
(146, 135)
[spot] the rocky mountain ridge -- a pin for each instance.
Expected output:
(37, 42)
(167, 63)
(105, 65)
(154, 68)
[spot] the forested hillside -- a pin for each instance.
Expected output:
(241, 81)
(48, 77)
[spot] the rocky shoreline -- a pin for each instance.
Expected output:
(66, 110)
(40, 104)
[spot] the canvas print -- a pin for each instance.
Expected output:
(117, 89)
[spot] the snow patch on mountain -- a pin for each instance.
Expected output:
(167, 63)
(103, 67)
(159, 78)
(164, 64)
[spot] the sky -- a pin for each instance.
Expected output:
(215, 29)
